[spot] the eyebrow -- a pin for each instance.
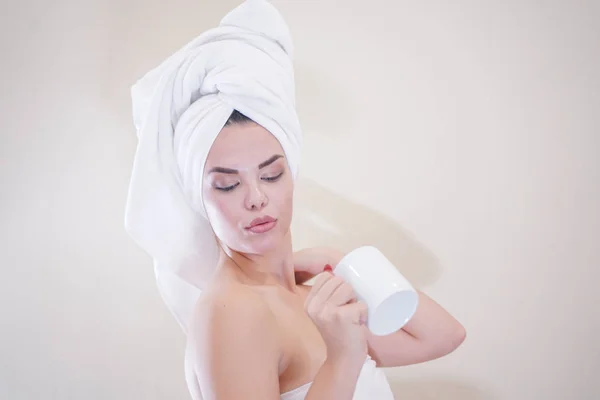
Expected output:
(263, 164)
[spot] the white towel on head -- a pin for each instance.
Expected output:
(179, 108)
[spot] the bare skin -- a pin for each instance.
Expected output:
(430, 334)
(257, 330)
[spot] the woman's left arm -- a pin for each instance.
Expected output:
(431, 333)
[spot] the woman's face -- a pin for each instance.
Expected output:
(248, 189)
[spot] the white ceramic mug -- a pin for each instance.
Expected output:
(391, 299)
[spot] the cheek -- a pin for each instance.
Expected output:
(284, 199)
(221, 211)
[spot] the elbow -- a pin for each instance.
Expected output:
(459, 336)
(454, 339)
(448, 342)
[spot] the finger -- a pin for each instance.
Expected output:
(364, 313)
(357, 312)
(342, 295)
(321, 279)
(327, 289)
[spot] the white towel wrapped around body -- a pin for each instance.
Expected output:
(179, 108)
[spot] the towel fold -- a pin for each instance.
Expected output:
(179, 108)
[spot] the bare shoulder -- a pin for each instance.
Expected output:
(233, 337)
(232, 307)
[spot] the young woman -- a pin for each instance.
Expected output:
(210, 199)
(259, 333)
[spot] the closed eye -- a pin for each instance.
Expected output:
(227, 188)
(272, 178)
(264, 178)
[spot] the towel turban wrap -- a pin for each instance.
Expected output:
(179, 108)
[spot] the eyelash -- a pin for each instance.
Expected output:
(273, 178)
(268, 179)
(227, 189)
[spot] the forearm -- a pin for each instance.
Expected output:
(431, 333)
(431, 322)
(311, 261)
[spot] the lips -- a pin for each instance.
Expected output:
(262, 224)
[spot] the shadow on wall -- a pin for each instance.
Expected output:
(322, 218)
(434, 389)
(322, 105)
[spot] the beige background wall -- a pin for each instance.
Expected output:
(462, 138)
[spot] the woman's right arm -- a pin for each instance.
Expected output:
(233, 347)
(331, 304)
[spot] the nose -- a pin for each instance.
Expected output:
(256, 198)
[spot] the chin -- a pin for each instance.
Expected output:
(263, 243)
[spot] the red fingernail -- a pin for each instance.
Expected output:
(328, 268)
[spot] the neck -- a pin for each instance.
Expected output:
(275, 267)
